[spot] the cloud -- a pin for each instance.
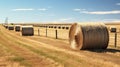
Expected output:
(66, 19)
(102, 12)
(23, 9)
(29, 9)
(43, 9)
(97, 12)
(77, 9)
(117, 3)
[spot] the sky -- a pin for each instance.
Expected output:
(44, 11)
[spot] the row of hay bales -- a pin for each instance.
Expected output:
(9, 27)
(67, 27)
(81, 36)
(25, 30)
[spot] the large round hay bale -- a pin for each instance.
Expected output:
(17, 27)
(27, 30)
(10, 27)
(88, 36)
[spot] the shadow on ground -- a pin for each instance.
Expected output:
(105, 50)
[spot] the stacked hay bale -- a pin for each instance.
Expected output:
(88, 36)
(27, 30)
(17, 27)
(10, 27)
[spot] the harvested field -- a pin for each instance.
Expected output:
(42, 51)
(61, 33)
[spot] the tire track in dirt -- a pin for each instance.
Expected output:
(66, 51)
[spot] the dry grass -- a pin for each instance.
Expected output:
(62, 33)
(112, 35)
(49, 52)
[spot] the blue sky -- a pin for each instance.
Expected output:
(60, 10)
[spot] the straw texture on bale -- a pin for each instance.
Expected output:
(88, 36)
(27, 30)
(10, 27)
(17, 27)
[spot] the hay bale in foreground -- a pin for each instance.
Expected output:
(10, 27)
(27, 30)
(88, 36)
(17, 28)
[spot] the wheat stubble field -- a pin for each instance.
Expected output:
(41, 51)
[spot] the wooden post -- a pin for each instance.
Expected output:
(56, 34)
(114, 30)
(46, 32)
(115, 39)
(38, 32)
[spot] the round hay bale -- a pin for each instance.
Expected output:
(6, 26)
(27, 30)
(59, 27)
(10, 27)
(113, 29)
(63, 27)
(55, 27)
(17, 28)
(51, 26)
(67, 28)
(88, 36)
